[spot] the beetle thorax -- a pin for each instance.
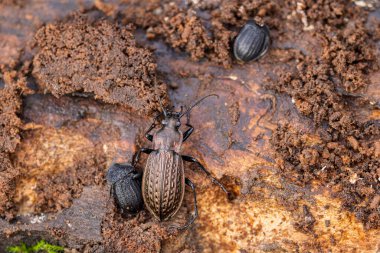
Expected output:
(168, 138)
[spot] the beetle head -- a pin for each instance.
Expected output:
(172, 119)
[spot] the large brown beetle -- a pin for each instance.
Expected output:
(163, 185)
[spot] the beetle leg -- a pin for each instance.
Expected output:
(137, 175)
(113, 197)
(150, 136)
(188, 132)
(154, 124)
(111, 193)
(137, 156)
(214, 180)
(195, 215)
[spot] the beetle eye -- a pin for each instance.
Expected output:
(164, 122)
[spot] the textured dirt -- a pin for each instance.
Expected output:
(78, 227)
(295, 136)
(76, 55)
(346, 156)
(203, 29)
(20, 19)
(64, 152)
(9, 137)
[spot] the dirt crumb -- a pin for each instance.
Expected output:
(79, 54)
(63, 163)
(323, 88)
(351, 56)
(134, 234)
(10, 105)
(8, 176)
(306, 221)
(234, 113)
(203, 29)
(350, 170)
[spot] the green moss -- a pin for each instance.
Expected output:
(41, 246)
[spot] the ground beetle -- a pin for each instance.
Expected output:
(163, 184)
(252, 42)
(125, 184)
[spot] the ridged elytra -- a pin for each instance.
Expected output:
(252, 42)
(164, 180)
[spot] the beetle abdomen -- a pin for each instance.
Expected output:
(128, 195)
(125, 187)
(163, 184)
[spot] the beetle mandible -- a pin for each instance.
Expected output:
(163, 184)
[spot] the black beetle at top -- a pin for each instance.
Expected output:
(252, 42)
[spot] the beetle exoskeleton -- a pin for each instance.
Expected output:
(252, 42)
(125, 184)
(163, 185)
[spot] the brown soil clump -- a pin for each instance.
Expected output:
(50, 185)
(321, 86)
(294, 135)
(131, 235)
(306, 221)
(350, 168)
(142, 233)
(8, 175)
(347, 42)
(352, 56)
(10, 104)
(203, 30)
(78, 55)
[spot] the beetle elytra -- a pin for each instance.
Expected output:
(125, 184)
(163, 184)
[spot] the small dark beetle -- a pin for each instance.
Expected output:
(163, 185)
(125, 184)
(252, 42)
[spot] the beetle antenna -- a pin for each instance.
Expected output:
(162, 107)
(196, 103)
